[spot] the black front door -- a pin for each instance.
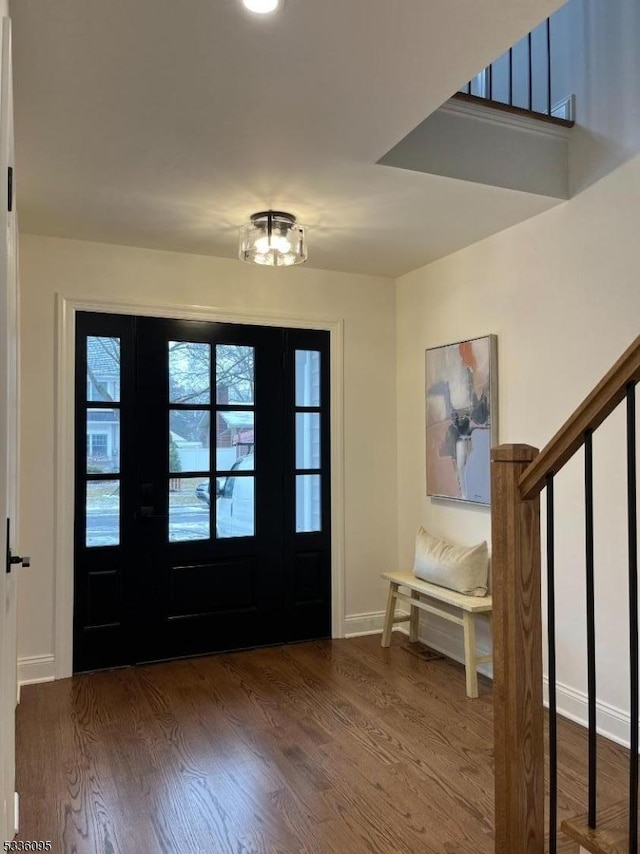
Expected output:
(202, 488)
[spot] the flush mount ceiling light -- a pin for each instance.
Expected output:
(274, 239)
(261, 7)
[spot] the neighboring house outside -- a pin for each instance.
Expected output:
(103, 384)
(190, 431)
(234, 440)
(235, 433)
(191, 439)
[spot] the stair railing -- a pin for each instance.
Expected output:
(519, 474)
(487, 76)
(522, 80)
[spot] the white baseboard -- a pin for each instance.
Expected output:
(358, 625)
(36, 668)
(612, 723)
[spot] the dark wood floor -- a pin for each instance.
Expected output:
(335, 747)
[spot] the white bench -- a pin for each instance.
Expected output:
(470, 606)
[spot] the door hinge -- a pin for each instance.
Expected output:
(10, 190)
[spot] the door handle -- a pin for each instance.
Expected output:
(11, 559)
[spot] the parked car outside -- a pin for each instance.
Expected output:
(202, 492)
(235, 501)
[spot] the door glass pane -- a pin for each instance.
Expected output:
(235, 508)
(234, 440)
(103, 441)
(189, 440)
(103, 369)
(235, 370)
(189, 501)
(308, 507)
(103, 513)
(307, 378)
(307, 440)
(189, 372)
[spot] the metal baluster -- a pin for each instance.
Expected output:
(633, 614)
(549, 66)
(530, 74)
(511, 77)
(591, 627)
(551, 630)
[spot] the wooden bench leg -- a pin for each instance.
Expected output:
(414, 620)
(470, 663)
(388, 618)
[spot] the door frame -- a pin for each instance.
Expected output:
(64, 492)
(9, 477)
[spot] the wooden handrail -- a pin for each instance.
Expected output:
(609, 392)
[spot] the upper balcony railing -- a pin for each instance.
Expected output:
(529, 76)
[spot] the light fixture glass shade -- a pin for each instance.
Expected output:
(273, 239)
(261, 7)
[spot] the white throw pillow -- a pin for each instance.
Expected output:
(458, 568)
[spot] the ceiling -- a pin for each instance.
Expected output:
(166, 123)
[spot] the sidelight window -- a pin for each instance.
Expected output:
(308, 421)
(102, 481)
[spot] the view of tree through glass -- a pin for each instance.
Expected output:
(103, 368)
(103, 440)
(190, 368)
(189, 372)
(235, 369)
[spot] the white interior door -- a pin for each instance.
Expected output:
(9, 373)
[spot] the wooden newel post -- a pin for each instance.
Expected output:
(517, 656)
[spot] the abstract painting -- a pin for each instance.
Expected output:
(462, 404)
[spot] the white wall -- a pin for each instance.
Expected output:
(82, 269)
(605, 64)
(562, 293)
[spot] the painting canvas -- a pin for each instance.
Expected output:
(461, 392)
